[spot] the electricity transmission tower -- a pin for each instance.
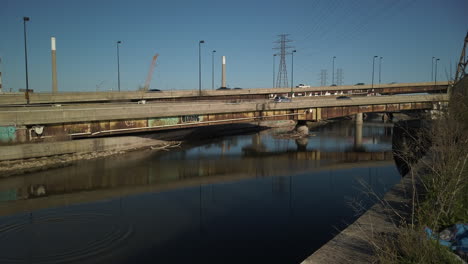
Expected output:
(323, 77)
(339, 76)
(282, 77)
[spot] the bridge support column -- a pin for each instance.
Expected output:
(302, 128)
(358, 132)
(358, 118)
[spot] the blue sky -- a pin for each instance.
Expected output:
(407, 33)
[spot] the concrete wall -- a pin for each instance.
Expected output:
(34, 150)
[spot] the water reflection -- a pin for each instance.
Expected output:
(251, 197)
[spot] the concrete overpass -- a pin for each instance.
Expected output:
(39, 123)
(244, 94)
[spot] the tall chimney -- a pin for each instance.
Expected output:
(54, 66)
(223, 76)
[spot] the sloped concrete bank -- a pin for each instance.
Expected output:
(352, 245)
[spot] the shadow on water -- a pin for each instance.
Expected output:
(245, 198)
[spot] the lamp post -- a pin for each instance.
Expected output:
(199, 66)
(292, 71)
(333, 70)
(373, 63)
(274, 56)
(432, 69)
(435, 72)
(380, 70)
(212, 69)
(26, 59)
(118, 65)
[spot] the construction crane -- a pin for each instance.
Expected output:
(461, 68)
(150, 73)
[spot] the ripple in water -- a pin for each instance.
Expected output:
(62, 238)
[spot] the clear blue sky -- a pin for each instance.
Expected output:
(407, 33)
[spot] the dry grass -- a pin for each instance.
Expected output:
(439, 192)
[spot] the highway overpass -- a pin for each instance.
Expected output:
(244, 94)
(42, 123)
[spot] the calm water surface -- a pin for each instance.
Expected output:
(251, 198)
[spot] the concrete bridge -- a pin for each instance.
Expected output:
(181, 95)
(42, 123)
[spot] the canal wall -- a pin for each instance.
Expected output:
(353, 244)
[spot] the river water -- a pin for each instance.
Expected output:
(262, 197)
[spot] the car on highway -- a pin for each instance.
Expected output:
(282, 99)
(343, 97)
(223, 89)
(359, 84)
(302, 86)
(154, 90)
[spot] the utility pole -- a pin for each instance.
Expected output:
(26, 58)
(333, 70)
(435, 72)
(282, 80)
(292, 71)
(199, 66)
(373, 63)
(380, 70)
(432, 69)
(212, 69)
(118, 65)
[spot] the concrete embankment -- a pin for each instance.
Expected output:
(354, 243)
(23, 158)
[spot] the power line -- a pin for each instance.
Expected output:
(339, 76)
(323, 77)
(282, 77)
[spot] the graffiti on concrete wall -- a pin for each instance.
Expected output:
(166, 121)
(190, 119)
(7, 133)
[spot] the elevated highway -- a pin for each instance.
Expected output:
(37, 123)
(245, 94)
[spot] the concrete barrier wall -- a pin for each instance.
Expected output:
(35, 150)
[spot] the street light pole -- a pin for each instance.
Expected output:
(274, 55)
(435, 72)
(212, 69)
(292, 71)
(333, 70)
(432, 69)
(199, 66)
(118, 65)
(373, 63)
(380, 70)
(26, 58)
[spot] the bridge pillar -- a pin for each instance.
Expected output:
(358, 118)
(301, 143)
(302, 129)
(358, 132)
